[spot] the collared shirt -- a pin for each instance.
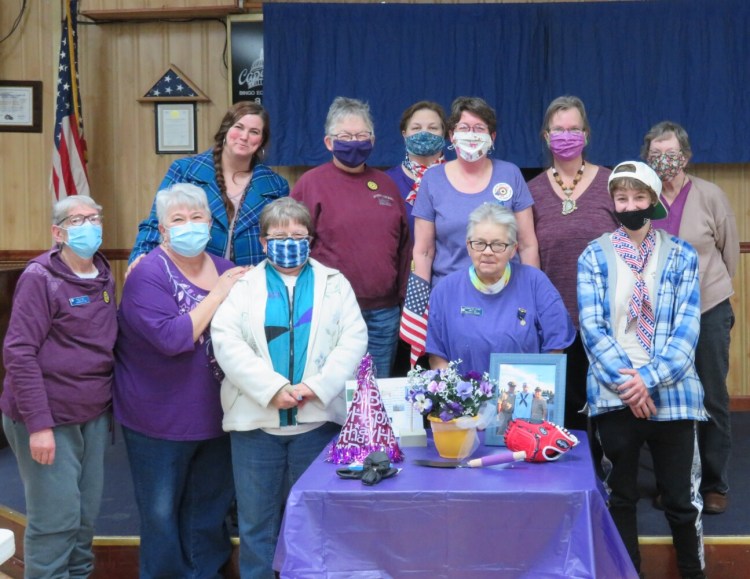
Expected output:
(670, 375)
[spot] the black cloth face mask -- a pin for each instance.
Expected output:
(634, 220)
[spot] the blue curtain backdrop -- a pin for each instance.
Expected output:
(632, 63)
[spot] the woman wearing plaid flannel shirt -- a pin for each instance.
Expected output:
(639, 305)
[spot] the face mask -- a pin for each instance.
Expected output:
(667, 165)
(288, 252)
(567, 145)
(634, 220)
(424, 144)
(84, 239)
(189, 239)
(352, 153)
(472, 146)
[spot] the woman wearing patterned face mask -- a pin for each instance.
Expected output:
(572, 206)
(167, 393)
(423, 128)
(288, 337)
(699, 213)
(450, 192)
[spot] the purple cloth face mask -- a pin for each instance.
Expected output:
(567, 145)
(352, 153)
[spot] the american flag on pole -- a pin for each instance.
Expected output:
(413, 328)
(69, 157)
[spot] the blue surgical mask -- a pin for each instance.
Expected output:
(84, 239)
(289, 252)
(352, 153)
(189, 239)
(424, 144)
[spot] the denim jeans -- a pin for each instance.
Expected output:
(183, 490)
(62, 499)
(712, 364)
(266, 466)
(382, 337)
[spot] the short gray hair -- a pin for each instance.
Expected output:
(663, 129)
(342, 107)
(182, 195)
(282, 211)
(493, 213)
(62, 208)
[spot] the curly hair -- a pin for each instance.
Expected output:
(234, 114)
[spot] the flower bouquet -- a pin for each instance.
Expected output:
(452, 402)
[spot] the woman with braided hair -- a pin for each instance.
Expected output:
(236, 183)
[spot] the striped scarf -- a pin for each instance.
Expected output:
(640, 309)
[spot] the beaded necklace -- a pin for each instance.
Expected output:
(568, 204)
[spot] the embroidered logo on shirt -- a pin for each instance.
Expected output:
(372, 186)
(383, 199)
(79, 301)
(502, 192)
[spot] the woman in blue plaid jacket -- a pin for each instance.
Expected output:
(237, 184)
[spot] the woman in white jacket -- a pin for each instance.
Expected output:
(287, 337)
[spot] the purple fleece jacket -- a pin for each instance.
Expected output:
(58, 351)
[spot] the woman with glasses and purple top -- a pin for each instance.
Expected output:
(360, 223)
(494, 304)
(450, 192)
(57, 393)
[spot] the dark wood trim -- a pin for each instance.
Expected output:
(24, 255)
(744, 246)
(739, 403)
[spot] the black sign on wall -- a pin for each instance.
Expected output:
(246, 58)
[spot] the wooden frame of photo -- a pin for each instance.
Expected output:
(176, 128)
(21, 106)
(546, 371)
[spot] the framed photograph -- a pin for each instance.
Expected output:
(245, 58)
(530, 386)
(406, 421)
(21, 106)
(175, 128)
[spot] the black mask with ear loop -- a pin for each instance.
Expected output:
(634, 220)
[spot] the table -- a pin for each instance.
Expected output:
(516, 520)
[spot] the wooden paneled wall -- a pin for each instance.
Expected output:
(118, 64)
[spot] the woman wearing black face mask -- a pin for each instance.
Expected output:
(361, 225)
(639, 304)
(699, 213)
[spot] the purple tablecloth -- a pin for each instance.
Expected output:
(517, 520)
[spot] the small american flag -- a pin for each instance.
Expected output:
(413, 328)
(69, 157)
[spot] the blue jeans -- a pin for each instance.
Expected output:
(62, 499)
(712, 364)
(382, 337)
(266, 467)
(183, 490)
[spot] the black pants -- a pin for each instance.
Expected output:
(674, 449)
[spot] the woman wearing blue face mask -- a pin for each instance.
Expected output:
(423, 128)
(167, 393)
(58, 389)
(361, 225)
(288, 337)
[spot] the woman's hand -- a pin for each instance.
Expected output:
(42, 446)
(228, 279)
(285, 398)
(303, 394)
(635, 394)
(201, 315)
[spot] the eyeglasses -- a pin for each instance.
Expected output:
(294, 236)
(346, 137)
(495, 246)
(464, 128)
(670, 153)
(563, 131)
(76, 220)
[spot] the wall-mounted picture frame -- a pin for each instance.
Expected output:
(530, 386)
(21, 106)
(245, 41)
(175, 128)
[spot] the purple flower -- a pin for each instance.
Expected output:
(464, 390)
(473, 375)
(422, 403)
(485, 388)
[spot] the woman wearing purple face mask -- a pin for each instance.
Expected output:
(361, 225)
(572, 206)
(699, 213)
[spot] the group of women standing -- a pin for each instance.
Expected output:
(228, 375)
